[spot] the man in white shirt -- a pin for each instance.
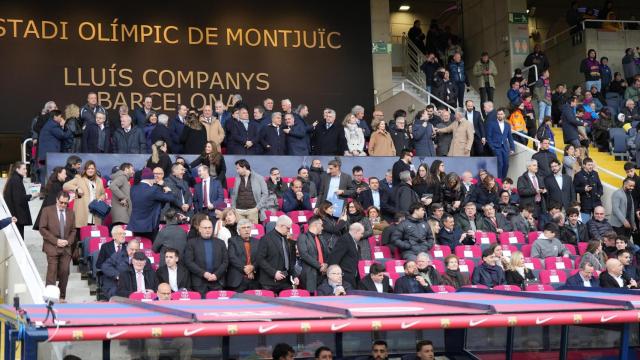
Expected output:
(614, 277)
(172, 272)
(584, 277)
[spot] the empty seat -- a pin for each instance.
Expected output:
(533, 236)
(363, 267)
(257, 231)
(512, 237)
(294, 293)
(380, 252)
(439, 265)
(582, 247)
(267, 293)
(548, 277)
(219, 294)
(539, 287)
(485, 237)
(300, 216)
(468, 251)
(186, 295)
(526, 250)
(466, 266)
(571, 249)
(439, 251)
(507, 250)
(95, 243)
(558, 263)
(395, 266)
(532, 263)
(94, 231)
(143, 296)
(272, 216)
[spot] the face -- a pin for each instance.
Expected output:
(289, 120)
(153, 119)
(490, 260)
(304, 173)
(437, 213)
(316, 163)
(334, 170)
(453, 264)
(257, 114)
(325, 355)
(170, 259)
(625, 258)
(230, 218)
(378, 115)
(164, 292)
(203, 173)
(148, 103)
(206, 229)
(400, 123)
(587, 273)
(243, 114)
(533, 167)
(158, 174)
(411, 268)
(357, 234)
(573, 219)
(426, 353)
(419, 213)
(358, 176)
(132, 248)
(555, 168)
(617, 269)
(241, 171)
(500, 115)
(382, 125)
(330, 118)
(445, 115)
(286, 106)
(621, 244)
(182, 110)
(489, 211)
(470, 211)
(268, 104)
(377, 278)
(422, 172)
(92, 99)
(275, 175)
(504, 198)
(498, 251)
(276, 120)
(304, 111)
(374, 184)
(296, 186)
(422, 262)
(353, 120)
(589, 166)
(598, 213)
(119, 235)
(283, 229)
(100, 118)
(469, 106)
(62, 203)
(389, 176)
(62, 175)
(219, 107)
(335, 275)
(138, 265)
(630, 185)
(91, 171)
(245, 231)
(125, 122)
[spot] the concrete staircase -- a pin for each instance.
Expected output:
(398, 78)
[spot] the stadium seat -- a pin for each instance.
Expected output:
(507, 288)
(571, 249)
(468, 251)
(533, 236)
(295, 231)
(186, 295)
(439, 251)
(294, 293)
(257, 231)
(95, 243)
(548, 277)
(153, 257)
(219, 294)
(363, 267)
(539, 287)
(313, 202)
(478, 286)
(507, 250)
(484, 237)
(300, 216)
(231, 181)
(618, 142)
(287, 180)
(439, 265)
(143, 296)
(272, 216)
(558, 263)
(377, 239)
(395, 266)
(380, 252)
(94, 231)
(266, 293)
(442, 289)
(466, 266)
(526, 250)
(186, 227)
(144, 242)
(582, 247)
(280, 203)
(511, 238)
(532, 263)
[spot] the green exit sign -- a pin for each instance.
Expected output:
(518, 18)
(381, 47)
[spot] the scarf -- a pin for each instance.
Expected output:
(354, 218)
(456, 276)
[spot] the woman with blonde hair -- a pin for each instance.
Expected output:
(516, 273)
(87, 187)
(74, 124)
(381, 143)
(354, 135)
(160, 158)
(194, 136)
(225, 227)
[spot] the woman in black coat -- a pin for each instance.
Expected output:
(54, 186)
(160, 158)
(485, 192)
(518, 274)
(211, 157)
(193, 137)
(332, 228)
(16, 196)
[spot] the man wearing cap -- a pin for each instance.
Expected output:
(136, 278)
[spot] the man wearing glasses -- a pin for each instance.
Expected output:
(334, 285)
(57, 227)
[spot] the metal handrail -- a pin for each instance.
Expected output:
(402, 86)
(535, 70)
(559, 151)
(23, 150)
(609, 21)
(556, 36)
(414, 59)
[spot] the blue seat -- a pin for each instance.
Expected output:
(618, 142)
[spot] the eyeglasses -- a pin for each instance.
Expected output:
(337, 274)
(63, 202)
(161, 174)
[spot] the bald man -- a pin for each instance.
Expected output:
(615, 277)
(183, 345)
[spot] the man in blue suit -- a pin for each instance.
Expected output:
(209, 195)
(584, 277)
(570, 122)
(175, 128)
(298, 140)
(423, 135)
(243, 135)
(116, 264)
(53, 137)
(501, 141)
(140, 113)
(296, 199)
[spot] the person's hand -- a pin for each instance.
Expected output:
(14, 219)
(185, 207)
(62, 122)
(210, 206)
(296, 281)
(499, 231)
(166, 189)
(79, 192)
(315, 123)
(339, 291)
(286, 131)
(62, 243)
(251, 276)
(299, 195)
(248, 269)
(462, 237)
(123, 202)
(279, 275)
(456, 204)
(511, 152)
(484, 141)
(249, 143)
(421, 280)
(626, 224)
(470, 233)
(339, 192)
(323, 268)
(218, 213)
(587, 188)
(360, 189)
(633, 283)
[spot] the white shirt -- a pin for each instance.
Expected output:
(173, 278)
(618, 280)
(501, 125)
(585, 282)
(469, 117)
(334, 185)
(376, 198)
(558, 180)
(378, 286)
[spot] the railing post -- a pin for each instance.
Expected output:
(402, 86)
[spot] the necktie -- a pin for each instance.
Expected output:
(286, 254)
(534, 179)
(140, 282)
(117, 248)
(319, 249)
(278, 131)
(62, 223)
(247, 250)
(328, 126)
(205, 194)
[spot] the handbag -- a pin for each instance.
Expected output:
(99, 208)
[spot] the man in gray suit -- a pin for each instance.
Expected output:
(623, 213)
(335, 183)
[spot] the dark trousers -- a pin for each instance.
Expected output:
(622, 231)
(20, 230)
(486, 94)
(58, 270)
(503, 162)
(461, 87)
(207, 286)
(245, 285)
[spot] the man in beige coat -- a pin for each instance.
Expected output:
(212, 124)
(462, 136)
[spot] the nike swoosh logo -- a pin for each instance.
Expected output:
(335, 327)
(263, 329)
(115, 335)
(605, 319)
(542, 321)
(408, 325)
(473, 323)
(188, 332)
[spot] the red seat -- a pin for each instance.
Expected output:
(393, 277)
(395, 266)
(294, 293)
(363, 267)
(484, 237)
(144, 242)
(185, 227)
(267, 293)
(512, 237)
(295, 231)
(143, 296)
(231, 181)
(439, 251)
(582, 247)
(377, 239)
(225, 193)
(272, 216)
(539, 287)
(468, 251)
(507, 288)
(442, 289)
(548, 277)
(533, 236)
(571, 249)
(558, 263)
(287, 180)
(313, 202)
(257, 231)
(380, 252)
(439, 265)
(90, 231)
(95, 243)
(477, 286)
(526, 250)
(153, 257)
(219, 294)
(300, 216)
(466, 266)
(108, 193)
(507, 250)
(532, 263)
(186, 295)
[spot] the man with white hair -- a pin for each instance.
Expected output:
(333, 284)
(162, 132)
(462, 140)
(118, 234)
(277, 257)
(141, 113)
(96, 137)
(129, 139)
(328, 137)
(531, 187)
(358, 111)
(346, 253)
(221, 113)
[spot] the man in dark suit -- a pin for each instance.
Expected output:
(500, 140)
(112, 247)
(116, 264)
(207, 260)
(173, 272)
(243, 259)
(96, 137)
(333, 285)
(615, 277)
(373, 196)
(298, 141)
(140, 113)
(335, 183)
(411, 282)
(277, 257)
(294, 198)
(375, 280)
(328, 137)
(243, 135)
(531, 187)
(480, 132)
(544, 156)
(386, 184)
(137, 277)
(272, 137)
(571, 122)
(346, 253)
(175, 128)
(559, 186)
(208, 195)
(53, 137)
(313, 254)
(403, 164)
(584, 277)
(58, 230)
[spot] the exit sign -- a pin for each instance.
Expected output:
(518, 18)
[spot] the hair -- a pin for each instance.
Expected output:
(376, 268)
(435, 170)
(151, 114)
(86, 166)
(243, 163)
(380, 342)
(320, 350)
(487, 252)
(226, 212)
(593, 246)
(55, 113)
(192, 122)
(73, 159)
(404, 176)
(163, 119)
(71, 111)
(62, 194)
(376, 123)
(516, 256)
(155, 151)
(53, 178)
(347, 118)
(335, 162)
(487, 180)
(587, 160)
(214, 157)
(622, 251)
(449, 257)
(281, 350)
(356, 168)
(552, 227)
(358, 206)
(242, 222)
(197, 219)
(422, 343)
(372, 207)
(414, 207)
(176, 252)
(323, 207)
(313, 219)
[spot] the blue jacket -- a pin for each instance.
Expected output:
(224, 117)
(272, 142)
(576, 281)
(500, 141)
(450, 239)
(139, 117)
(514, 97)
(148, 129)
(605, 73)
(175, 128)
(238, 136)
(216, 195)
(456, 70)
(147, 201)
(111, 269)
(91, 136)
(51, 139)
(291, 203)
(488, 276)
(298, 139)
(569, 124)
(409, 285)
(423, 141)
